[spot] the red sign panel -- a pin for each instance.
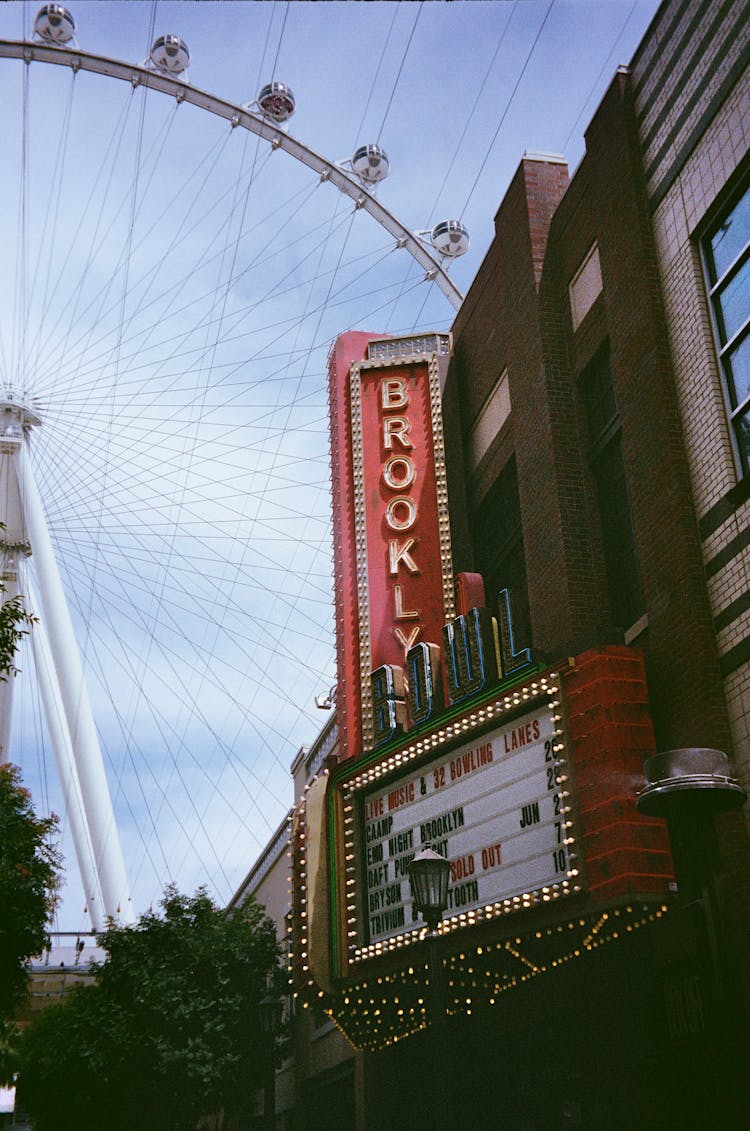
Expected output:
(405, 592)
(394, 584)
(346, 349)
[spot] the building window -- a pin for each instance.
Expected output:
(585, 286)
(726, 256)
(498, 546)
(495, 411)
(608, 470)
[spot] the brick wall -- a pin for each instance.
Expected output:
(709, 147)
(517, 315)
(611, 735)
(675, 445)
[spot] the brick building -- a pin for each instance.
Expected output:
(595, 412)
(691, 91)
(606, 340)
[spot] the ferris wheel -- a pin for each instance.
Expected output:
(172, 286)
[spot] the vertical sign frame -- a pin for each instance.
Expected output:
(402, 525)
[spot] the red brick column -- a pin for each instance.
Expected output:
(610, 731)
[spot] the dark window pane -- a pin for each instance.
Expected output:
(742, 432)
(599, 394)
(498, 550)
(726, 248)
(623, 576)
(730, 237)
(738, 371)
(621, 563)
(734, 302)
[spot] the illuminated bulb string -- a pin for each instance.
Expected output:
(370, 1019)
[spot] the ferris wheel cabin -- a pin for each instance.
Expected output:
(370, 163)
(54, 24)
(170, 54)
(276, 101)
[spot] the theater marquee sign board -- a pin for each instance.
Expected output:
(493, 799)
(491, 806)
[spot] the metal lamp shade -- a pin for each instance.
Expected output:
(429, 874)
(693, 776)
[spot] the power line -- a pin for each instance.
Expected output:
(400, 69)
(508, 105)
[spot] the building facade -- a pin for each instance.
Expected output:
(691, 90)
(596, 477)
(315, 1081)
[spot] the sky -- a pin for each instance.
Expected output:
(171, 291)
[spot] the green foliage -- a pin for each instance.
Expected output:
(169, 1032)
(29, 879)
(9, 1038)
(13, 619)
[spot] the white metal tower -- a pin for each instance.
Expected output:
(59, 672)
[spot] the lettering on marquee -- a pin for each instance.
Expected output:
(492, 807)
(478, 654)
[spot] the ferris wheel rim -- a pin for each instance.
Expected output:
(240, 116)
(118, 550)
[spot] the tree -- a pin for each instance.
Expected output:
(29, 879)
(29, 862)
(14, 620)
(169, 1032)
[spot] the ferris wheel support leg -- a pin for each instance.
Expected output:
(10, 590)
(77, 709)
(71, 787)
